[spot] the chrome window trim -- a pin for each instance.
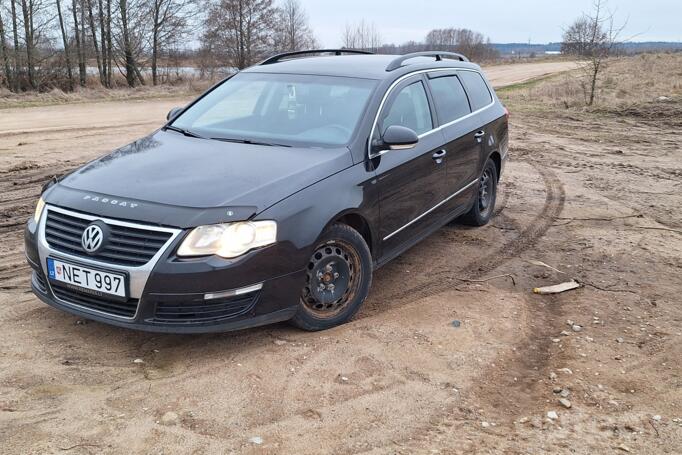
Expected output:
(438, 128)
(137, 276)
(431, 209)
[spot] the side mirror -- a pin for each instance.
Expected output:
(173, 113)
(399, 138)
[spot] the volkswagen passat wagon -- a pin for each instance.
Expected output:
(274, 195)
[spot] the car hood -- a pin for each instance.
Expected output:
(171, 169)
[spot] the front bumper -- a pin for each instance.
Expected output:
(146, 320)
(177, 296)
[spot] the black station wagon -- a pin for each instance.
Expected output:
(274, 195)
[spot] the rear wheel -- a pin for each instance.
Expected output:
(338, 277)
(484, 201)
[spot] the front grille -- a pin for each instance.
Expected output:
(205, 311)
(124, 309)
(125, 245)
(39, 282)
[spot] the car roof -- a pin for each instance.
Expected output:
(370, 66)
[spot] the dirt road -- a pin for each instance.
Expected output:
(596, 198)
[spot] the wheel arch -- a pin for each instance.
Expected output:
(497, 159)
(346, 197)
(358, 222)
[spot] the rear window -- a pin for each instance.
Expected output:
(450, 98)
(479, 95)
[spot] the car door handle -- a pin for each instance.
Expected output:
(439, 155)
(479, 135)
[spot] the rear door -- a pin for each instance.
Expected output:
(460, 136)
(460, 96)
(411, 182)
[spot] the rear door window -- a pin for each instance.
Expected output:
(479, 95)
(450, 98)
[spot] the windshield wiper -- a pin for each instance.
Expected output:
(187, 133)
(249, 141)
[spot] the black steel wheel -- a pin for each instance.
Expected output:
(338, 276)
(486, 191)
(484, 200)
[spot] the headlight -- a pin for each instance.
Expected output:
(39, 210)
(229, 240)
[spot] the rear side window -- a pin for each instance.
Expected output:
(410, 108)
(450, 98)
(479, 95)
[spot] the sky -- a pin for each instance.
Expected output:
(504, 21)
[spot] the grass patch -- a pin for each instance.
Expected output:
(531, 83)
(648, 86)
(643, 88)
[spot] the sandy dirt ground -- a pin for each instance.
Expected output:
(595, 197)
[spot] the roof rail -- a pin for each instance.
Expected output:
(398, 62)
(279, 57)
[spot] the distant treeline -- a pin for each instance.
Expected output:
(525, 49)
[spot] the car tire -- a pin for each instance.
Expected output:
(484, 201)
(338, 278)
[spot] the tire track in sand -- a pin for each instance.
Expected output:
(555, 198)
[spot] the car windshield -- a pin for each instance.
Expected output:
(288, 109)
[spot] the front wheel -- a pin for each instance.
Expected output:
(338, 278)
(484, 201)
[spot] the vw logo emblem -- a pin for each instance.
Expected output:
(92, 238)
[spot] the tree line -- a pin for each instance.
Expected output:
(63, 43)
(76, 43)
(471, 44)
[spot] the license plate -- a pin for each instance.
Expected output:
(85, 278)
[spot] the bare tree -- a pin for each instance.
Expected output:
(107, 42)
(592, 38)
(4, 54)
(170, 24)
(93, 31)
(65, 41)
(576, 37)
(128, 55)
(27, 9)
(105, 74)
(292, 30)
(362, 36)
(80, 53)
(243, 29)
(131, 38)
(15, 33)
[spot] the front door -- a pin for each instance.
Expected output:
(411, 182)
